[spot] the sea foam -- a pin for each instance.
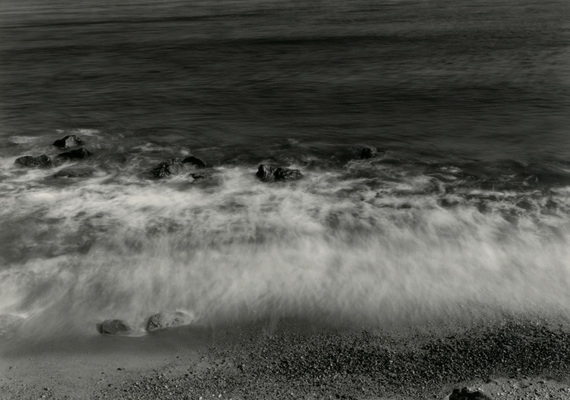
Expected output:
(344, 248)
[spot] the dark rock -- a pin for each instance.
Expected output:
(168, 320)
(171, 167)
(286, 174)
(368, 152)
(113, 327)
(194, 161)
(265, 172)
(68, 141)
(465, 394)
(80, 172)
(75, 154)
(42, 161)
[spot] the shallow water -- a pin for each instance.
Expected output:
(463, 212)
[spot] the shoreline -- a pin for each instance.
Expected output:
(514, 359)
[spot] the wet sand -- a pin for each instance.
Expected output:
(510, 359)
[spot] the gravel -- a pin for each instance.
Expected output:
(332, 364)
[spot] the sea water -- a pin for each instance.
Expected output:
(462, 213)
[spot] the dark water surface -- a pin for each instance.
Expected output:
(488, 79)
(466, 206)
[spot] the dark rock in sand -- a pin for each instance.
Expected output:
(465, 394)
(368, 152)
(168, 320)
(113, 327)
(42, 161)
(80, 172)
(76, 154)
(194, 161)
(171, 167)
(267, 172)
(68, 142)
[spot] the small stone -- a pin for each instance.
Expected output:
(42, 161)
(68, 141)
(113, 327)
(168, 320)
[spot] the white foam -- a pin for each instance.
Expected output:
(323, 246)
(23, 139)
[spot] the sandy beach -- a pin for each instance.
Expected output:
(512, 359)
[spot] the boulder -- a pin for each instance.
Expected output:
(465, 394)
(287, 174)
(76, 154)
(268, 173)
(194, 161)
(113, 327)
(168, 320)
(42, 161)
(164, 169)
(368, 152)
(68, 142)
(72, 172)
(265, 172)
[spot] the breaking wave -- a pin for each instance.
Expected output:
(390, 239)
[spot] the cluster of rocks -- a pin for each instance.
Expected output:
(165, 169)
(65, 143)
(155, 322)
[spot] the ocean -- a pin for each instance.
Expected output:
(463, 212)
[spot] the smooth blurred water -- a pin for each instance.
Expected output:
(464, 212)
(488, 79)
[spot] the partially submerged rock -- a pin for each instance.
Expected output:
(113, 327)
(42, 161)
(287, 174)
(68, 142)
(168, 320)
(76, 154)
(265, 172)
(164, 169)
(268, 173)
(368, 152)
(465, 394)
(194, 161)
